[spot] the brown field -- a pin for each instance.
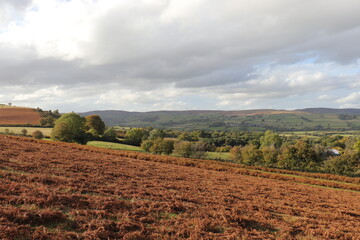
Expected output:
(54, 190)
(18, 116)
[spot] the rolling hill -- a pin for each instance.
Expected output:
(53, 190)
(259, 120)
(18, 116)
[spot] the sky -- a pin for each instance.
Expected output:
(146, 55)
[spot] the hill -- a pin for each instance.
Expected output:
(18, 116)
(349, 111)
(259, 120)
(55, 190)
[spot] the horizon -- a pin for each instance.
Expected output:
(160, 55)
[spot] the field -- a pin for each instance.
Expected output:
(18, 116)
(252, 120)
(115, 146)
(30, 130)
(55, 190)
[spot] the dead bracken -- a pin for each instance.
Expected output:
(52, 190)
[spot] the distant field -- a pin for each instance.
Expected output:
(30, 130)
(253, 120)
(18, 116)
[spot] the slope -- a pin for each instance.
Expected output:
(259, 120)
(18, 116)
(55, 191)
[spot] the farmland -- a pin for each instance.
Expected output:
(252, 120)
(18, 116)
(17, 130)
(53, 190)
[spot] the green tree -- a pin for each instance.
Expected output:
(146, 145)
(156, 134)
(300, 156)
(270, 156)
(251, 155)
(110, 134)
(346, 164)
(168, 146)
(271, 139)
(184, 149)
(135, 136)
(157, 146)
(70, 127)
(94, 125)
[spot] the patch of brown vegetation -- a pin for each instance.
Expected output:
(19, 116)
(68, 191)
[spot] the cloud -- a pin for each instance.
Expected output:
(219, 53)
(350, 101)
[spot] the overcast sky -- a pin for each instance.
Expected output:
(142, 55)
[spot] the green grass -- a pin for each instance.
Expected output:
(218, 156)
(116, 146)
(30, 130)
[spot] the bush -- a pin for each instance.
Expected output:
(188, 149)
(347, 164)
(24, 132)
(37, 134)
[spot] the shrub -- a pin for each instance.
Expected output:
(37, 134)
(24, 132)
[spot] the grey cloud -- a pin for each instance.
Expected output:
(220, 46)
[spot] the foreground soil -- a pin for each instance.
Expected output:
(19, 116)
(65, 191)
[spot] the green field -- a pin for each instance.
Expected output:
(30, 130)
(255, 120)
(116, 146)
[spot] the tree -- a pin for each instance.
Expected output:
(270, 156)
(347, 164)
(24, 132)
(300, 156)
(184, 149)
(156, 133)
(168, 146)
(146, 145)
(110, 134)
(135, 136)
(47, 121)
(271, 139)
(38, 134)
(70, 127)
(251, 155)
(94, 125)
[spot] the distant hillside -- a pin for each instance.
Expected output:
(350, 111)
(18, 116)
(260, 120)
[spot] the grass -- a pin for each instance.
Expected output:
(116, 146)
(218, 155)
(30, 130)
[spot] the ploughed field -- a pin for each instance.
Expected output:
(18, 116)
(54, 190)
